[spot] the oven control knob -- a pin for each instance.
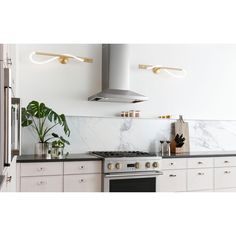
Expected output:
(137, 165)
(148, 164)
(118, 166)
(110, 166)
(155, 164)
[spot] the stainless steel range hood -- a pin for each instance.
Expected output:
(115, 76)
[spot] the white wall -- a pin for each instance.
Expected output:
(208, 91)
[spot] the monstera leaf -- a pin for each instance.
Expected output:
(43, 119)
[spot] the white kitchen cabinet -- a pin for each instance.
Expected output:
(74, 176)
(225, 161)
(225, 177)
(42, 184)
(83, 176)
(200, 162)
(40, 177)
(187, 174)
(173, 181)
(82, 167)
(9, 183)
(83, 183)
(173, 164)
(202, 174)
(42, 168)
(200, 179)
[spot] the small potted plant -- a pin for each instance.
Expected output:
(58, 147)
(43, 120)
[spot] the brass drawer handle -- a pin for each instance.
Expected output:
(201, 173)
(171, 163)
(81, 167)
(226, 162)
(200, 162)
(172, 175)
(227, 172)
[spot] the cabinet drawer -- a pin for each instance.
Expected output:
(83, 183)
(173, 181)
(225, 177)
(200, 162)
(200, 179)
(82, 167)
(171, 164)
(225, 161)
(43, 168)
(42, 184)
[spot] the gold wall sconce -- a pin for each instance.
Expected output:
(158, 68)
(62, 58)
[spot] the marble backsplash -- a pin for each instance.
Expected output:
(104, 134)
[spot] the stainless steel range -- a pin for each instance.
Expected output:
(130, 171)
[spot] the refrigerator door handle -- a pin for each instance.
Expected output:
(7, 127)
(16, 101)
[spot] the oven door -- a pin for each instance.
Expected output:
(132, 182)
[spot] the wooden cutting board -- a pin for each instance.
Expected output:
(181, 127)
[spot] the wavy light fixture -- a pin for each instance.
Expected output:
(158, 68)
(62, 58)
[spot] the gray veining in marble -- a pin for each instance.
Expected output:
(104, 134)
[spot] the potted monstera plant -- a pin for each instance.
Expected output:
(43, 121)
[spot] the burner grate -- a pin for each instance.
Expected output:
(123, 154)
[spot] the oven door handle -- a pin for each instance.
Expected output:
(134, 174)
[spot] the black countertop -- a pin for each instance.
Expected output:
(202, 154)
(70, 157)
(88, 157)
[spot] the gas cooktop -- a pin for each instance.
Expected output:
(116, 154)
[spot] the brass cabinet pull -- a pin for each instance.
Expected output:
(227, 172)
(201, 173)
(226, 161)
(200, 162)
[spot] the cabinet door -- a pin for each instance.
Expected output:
(11, 177)
(9, 183)
(83, 183)
(82, 167)
(225, 161)
(42, 168)
(200, 179)
(225, 177)
(42, 184)
(173, 181)
(200, 162)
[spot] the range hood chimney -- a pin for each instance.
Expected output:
(115, 76)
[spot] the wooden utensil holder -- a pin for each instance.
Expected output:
(174, 149)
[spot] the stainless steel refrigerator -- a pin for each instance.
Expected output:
(10, 115)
